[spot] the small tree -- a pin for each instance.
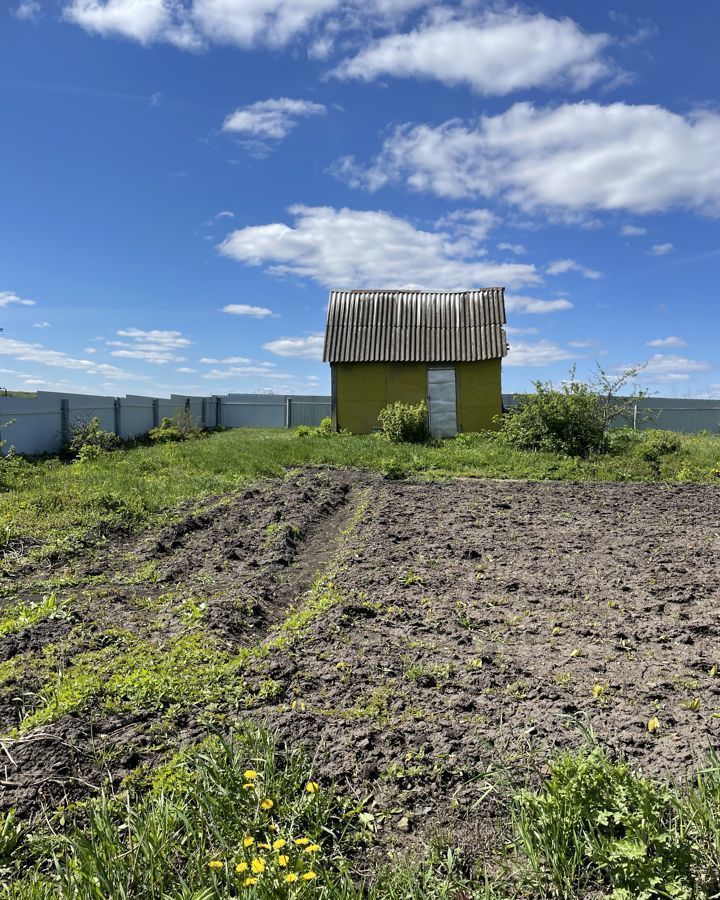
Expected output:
(89, 434)
(405, 423)
(572, 419)
(179, 427)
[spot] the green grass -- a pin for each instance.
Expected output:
(240, 808)
(58, 505)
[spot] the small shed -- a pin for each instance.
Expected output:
(442, 347)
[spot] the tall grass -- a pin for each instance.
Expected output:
(241, 817)
(57, 502)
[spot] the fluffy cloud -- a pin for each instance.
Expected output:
(8, 297)
(660, 249)
(353, 248)
(242, 309)
(154, 346)
(520, 304)
(561, 266)
(570, 158)
(665, 368)
(632, 231)
(39, 354)
(541, 353)
(144, 21)
(517, 249)
(193, 24)
(309, 347)
(270, 119)
(29, 10)
(672, 341)
(494, 53)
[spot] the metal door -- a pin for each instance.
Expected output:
(442, 402)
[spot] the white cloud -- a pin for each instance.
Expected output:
(561, 266)
(354, 248)
(187, 371)
(155, 346)
(517, 249)
(309, 347)
(270, 119)
(632, 231)
(664, 368)
(672, 341)
(242, 309)
(28, 10)
(244, 372)
(494, 53)
(228, 360)
(542, 353)
(90, 350)
(250, 22)
(40, 324)
(570, 158)
(39, 354)
(660, 249)
(225, 214)
(520, 304)
(8, 297)
(472, 223)
(144, 21)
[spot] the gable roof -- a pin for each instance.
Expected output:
(415, 326)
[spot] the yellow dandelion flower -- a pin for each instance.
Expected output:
(290, 877)
(241, 867)
(249, 786)
(312, 787)
(257, 865)
(267, 804)
(273, 826)
(250, 880)
(250, 775)
(302, 841)
(216, 864)
(313, 848)
(283, 860)
(248, 841)
(308, 876)
(264, 846)
(279, 844)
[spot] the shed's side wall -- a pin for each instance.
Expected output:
(479, 394)
(363, 389)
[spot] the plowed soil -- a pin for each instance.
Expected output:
(467, 626)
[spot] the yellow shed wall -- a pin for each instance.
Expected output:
(363, 389)
(479, 394)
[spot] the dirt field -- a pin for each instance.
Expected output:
(456, 628)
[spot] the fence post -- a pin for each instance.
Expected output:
(218, 411)
(635, 417)
(118, 416)
(288, 412)
(64, 422)
(156, 412)
(203, 413)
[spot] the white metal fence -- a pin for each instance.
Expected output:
(41, 424)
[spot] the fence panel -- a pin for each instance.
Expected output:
(309, 410)
(253, 411)
(136, 416)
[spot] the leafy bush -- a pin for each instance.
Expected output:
(324, 429)
(572, 419)
(405, 423)
(88, 440)
(179, 427)
(656, 444)
(594, 822)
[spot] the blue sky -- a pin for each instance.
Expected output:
(182, 181)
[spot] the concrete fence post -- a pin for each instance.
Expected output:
(288, 412)
(64, 422)
(117, 406)
(218, 411)
(156, 412)
(203, 413)
(635, 417)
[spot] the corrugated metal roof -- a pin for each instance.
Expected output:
(415, 326)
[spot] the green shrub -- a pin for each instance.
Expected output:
(572, 419)
(405, 423)
(179, 427)
(88, 440)
(325, 427)
(656, 444)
